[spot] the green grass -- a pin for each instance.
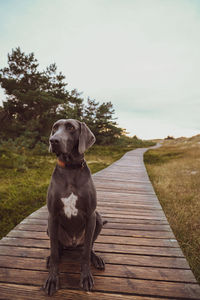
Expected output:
(23, 190)
(174, 170)
(25, 177)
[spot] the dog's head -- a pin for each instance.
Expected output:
(68, 135)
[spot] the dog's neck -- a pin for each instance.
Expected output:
(72, 160)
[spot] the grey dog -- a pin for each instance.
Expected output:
(71, 200)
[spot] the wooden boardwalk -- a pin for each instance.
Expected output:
(143, 258)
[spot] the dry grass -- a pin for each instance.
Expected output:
(174, 170)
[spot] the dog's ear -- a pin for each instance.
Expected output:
(86, 138)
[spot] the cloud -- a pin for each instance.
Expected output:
(143, 56)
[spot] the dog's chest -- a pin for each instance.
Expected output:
(70, 205)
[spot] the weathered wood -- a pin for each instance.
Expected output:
(127, 196)
(27, 292)
(118, 189)
(109, 284)
(107, 231)
(109, 219)
(122, 270)
(126, 206)
(126, 211)
(20, 237)
(31, 225)
(132, 212)
(143, 258)
(137, 260)
(132, 215)
(137, 233)
(103, 247)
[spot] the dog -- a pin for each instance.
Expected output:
(71, 200)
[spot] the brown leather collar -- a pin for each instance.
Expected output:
(63, 164)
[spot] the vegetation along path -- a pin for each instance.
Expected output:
(143, 258)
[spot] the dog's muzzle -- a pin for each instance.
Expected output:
(55, 144)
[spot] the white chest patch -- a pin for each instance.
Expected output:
(70, 205)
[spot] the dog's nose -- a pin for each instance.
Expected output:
(54, 141)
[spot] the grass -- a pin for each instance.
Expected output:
(25, 177)
(174, 170)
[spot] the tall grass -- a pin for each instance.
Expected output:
(174, 170)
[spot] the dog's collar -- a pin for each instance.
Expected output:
(63, 164)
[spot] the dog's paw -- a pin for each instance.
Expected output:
(51, 284)
(97, 261)
(87, 281)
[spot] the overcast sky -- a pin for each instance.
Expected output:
(142, 55)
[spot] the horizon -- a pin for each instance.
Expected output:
(143, 56)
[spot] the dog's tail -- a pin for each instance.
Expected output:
(105, 222)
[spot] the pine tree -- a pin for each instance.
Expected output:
(36, 99)
(101, 121)
(73, 109)
(33, 96)
(89, 115)
(108, 132)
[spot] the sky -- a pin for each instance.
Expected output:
(142, 55)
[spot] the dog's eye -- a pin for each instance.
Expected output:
(69, 127)
(54, 128)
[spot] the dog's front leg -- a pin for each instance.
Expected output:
(52, 283)
(87, 281)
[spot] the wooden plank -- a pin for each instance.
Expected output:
(126, 271)
(122, 178)
(25, 242)
(73, 265)
(138, 226)
(27, 292)
(121, 182)
(102, 247)
(142, 250)
(141, 260)
(107, 231)
(18, 239)
(126, 196)
(167, 242)
(135, 220)
(144, 260)
(133, 216)
(36, 222)
(132, 212)
(109, 284)
(128, 181)
(122, 221)
(125, 206)
(137, 173)
(43, 215)
(138, 233)
(125, 211)
(106, 198)
(31, 226)
(135, 191)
